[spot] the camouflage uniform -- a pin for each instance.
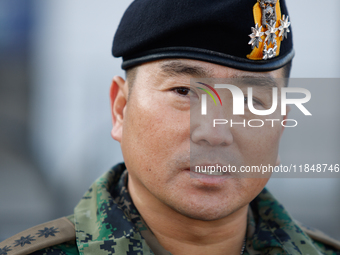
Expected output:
(107, 222)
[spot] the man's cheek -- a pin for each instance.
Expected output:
(258, 144)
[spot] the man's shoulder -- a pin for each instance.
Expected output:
(55, 237)
(68, 248)
(323, 242)
(273, 226)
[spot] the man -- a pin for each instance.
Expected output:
(156, 203)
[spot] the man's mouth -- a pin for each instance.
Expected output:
(204, 171)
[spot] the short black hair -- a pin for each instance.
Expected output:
(286, 72)
(130, 76)
(286, 69)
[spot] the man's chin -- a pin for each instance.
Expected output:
(208, 213)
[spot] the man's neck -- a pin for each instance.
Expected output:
(180, 234)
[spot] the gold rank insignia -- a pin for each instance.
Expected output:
(269, 30)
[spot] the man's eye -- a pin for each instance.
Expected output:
(182, 91)
(254, 101)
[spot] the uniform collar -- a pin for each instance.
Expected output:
(107, 220)
(271, 230)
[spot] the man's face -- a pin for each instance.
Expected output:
(157, 139)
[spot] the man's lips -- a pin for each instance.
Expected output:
(206, 179)
(205, 171)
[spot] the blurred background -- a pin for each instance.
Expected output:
(55, 74)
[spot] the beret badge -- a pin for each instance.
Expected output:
(270, 29)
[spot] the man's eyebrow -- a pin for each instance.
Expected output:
(263, 81)
(175, 68)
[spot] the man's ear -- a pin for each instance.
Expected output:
(118, 98)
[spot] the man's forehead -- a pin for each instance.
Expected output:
(186, 67)
(201, 69)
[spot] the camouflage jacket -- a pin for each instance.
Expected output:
(107, 222)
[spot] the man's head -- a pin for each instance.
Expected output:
(154, 111)
(158, 140)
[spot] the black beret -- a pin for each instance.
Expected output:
(217, 31)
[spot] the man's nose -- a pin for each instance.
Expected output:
(203, 131)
